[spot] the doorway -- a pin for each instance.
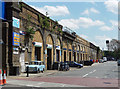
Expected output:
(64, 56)
(75, 56)
(69, 56)
(49, 59)
(22, 61)
(57, 55)
(78, 57)
(37, 53)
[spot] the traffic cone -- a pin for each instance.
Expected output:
(1, 80)
(4, 77)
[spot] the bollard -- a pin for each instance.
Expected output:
(27, 71)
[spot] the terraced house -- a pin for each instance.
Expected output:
(30, 35)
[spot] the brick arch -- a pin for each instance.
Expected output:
(36, 35)
(52, 38)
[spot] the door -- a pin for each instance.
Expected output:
(64, 56)
(75, 56)
(49, 59)
(37, 53)
(57, 55)
(78, 57)
(22, 61)
(69, 56)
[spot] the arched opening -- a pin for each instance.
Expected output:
(37, 49)
(58, 50)
(70, 51)
(64, 57)
(49, 50)
(75, 52)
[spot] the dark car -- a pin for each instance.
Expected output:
(118, 62)
(74, 64)
(63, 66)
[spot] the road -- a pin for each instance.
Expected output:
(97, 75)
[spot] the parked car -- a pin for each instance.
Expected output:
(105, 59)
(63, 66)
(118, 62)
(74, 64)
(36, 66)
(88, 63)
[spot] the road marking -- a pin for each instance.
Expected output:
(89, 73)
(85, 75)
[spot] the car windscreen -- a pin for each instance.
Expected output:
(33, 63)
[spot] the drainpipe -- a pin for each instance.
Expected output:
(1, 42)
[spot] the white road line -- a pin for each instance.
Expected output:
(89, 73)
(85, 75)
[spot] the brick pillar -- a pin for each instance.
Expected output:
(0, 44)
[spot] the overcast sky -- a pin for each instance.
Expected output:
(93, 21)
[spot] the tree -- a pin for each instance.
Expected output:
(114, 47)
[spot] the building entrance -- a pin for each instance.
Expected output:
(75, 56)
(37, 53)
(64, 56)
(57, 55)
(69, 56)
(49, 59)
(78, 57)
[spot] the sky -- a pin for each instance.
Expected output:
(94, 21)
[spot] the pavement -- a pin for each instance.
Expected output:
(47, 72)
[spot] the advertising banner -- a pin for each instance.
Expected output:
(16, 22)
(16, 39)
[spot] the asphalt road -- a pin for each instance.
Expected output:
(98, 75)
(100, 70)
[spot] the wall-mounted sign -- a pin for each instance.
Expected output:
(23, 49)
(16, 39)
(37, 44)
(58, 47)
(64, 49)
(14, 52)
(49, 46)
(2, 9)
(70, 49)
(16, 22)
